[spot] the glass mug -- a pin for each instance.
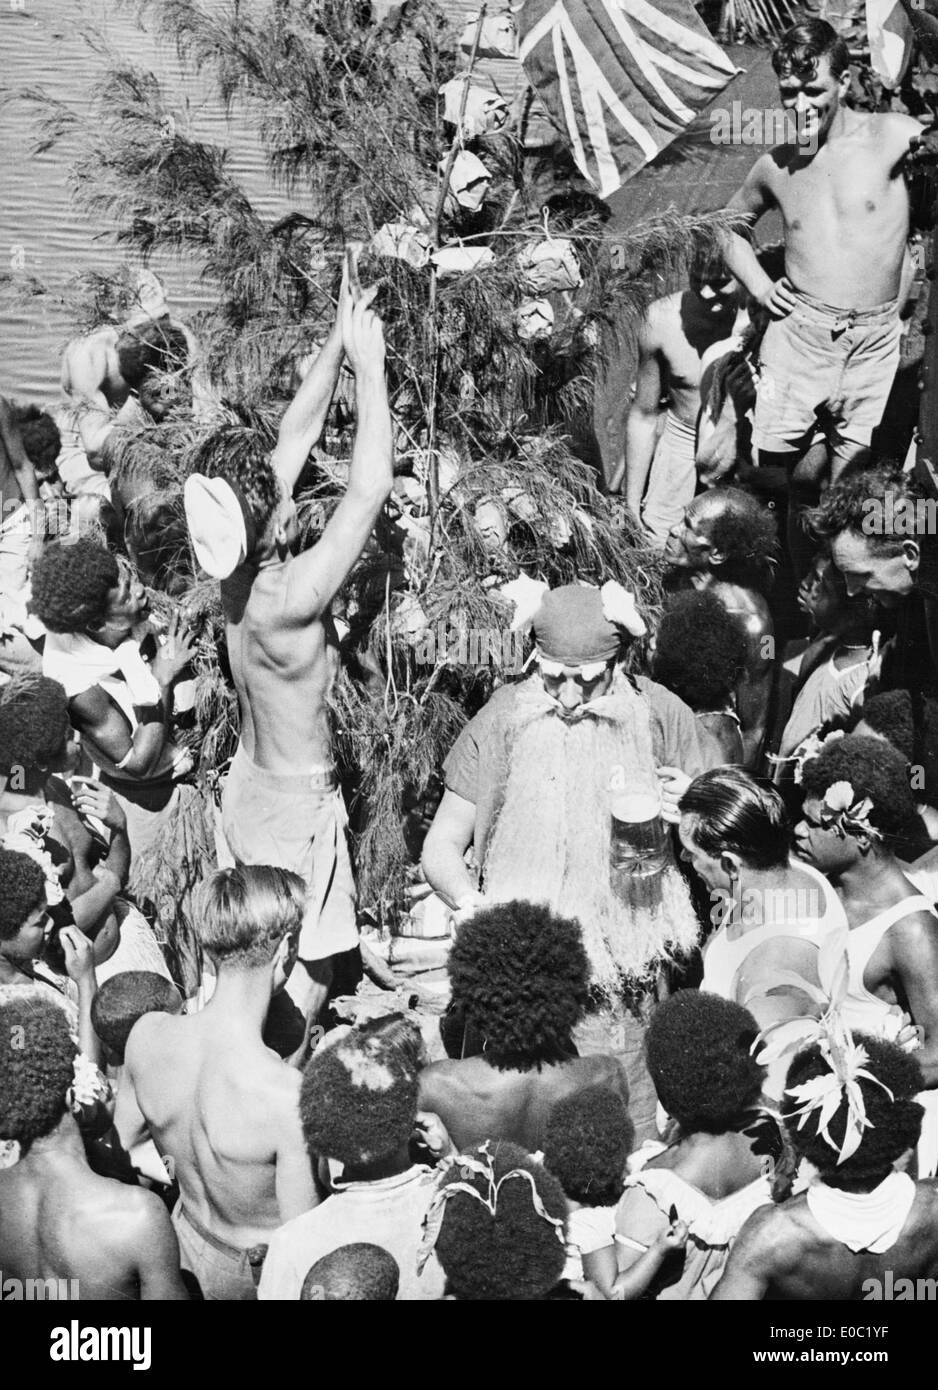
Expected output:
(639, 850)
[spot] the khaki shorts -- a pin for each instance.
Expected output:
(296, 823)
(825, 371)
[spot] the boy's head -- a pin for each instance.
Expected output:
(24, 915)
(894, 1116)
(700, 650)
(251, 917)
(699, 1051)
(37, 1068)
(79, 587)
(589, 1138)
(358, 1100)
(40, 437)
(520, 975)
(856, 795)
(515, 1253)
(34, 724)
(125, 998)
(359, 1273)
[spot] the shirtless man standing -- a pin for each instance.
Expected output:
(863, 1226)
(222, 1108)
(281, 803)
(829, 357)
(676, 333)
(58, 1220)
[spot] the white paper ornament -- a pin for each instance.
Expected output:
(459, 260)
(534, 319)
(468, 182)
(550, 265)
(485, 110)
(403, 242)
(498, 38)
(492, 522)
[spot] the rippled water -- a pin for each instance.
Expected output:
(42, 234)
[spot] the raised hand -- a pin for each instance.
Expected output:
(176, 652)
(79, 954)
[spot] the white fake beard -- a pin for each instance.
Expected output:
(551, 839)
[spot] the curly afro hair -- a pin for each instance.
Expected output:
(746, 533)
(359, 1273)
(514, 1255)
(358, 1100)
(125, 998)
(40, 436)
(520, 975)
(589, 1138)
(22, 890)
(889, 714)
(71, 585)
(37, 1057)
(874, 769)
(237, 454)
(896, 1121)
(34, 722)
(700, 650)
(699, 1055)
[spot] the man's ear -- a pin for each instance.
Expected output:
(730, 863)
(911, 554)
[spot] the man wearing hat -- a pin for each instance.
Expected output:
(531, 784)
(281, 803)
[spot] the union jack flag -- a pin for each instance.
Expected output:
(621, 78)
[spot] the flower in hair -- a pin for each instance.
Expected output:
(845, 813)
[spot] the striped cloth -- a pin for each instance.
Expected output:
(621, 78)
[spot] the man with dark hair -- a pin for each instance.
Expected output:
(360, 1273)
(700, 654)
(857, 804)
(95, 611)
(828, 360)
(281, 802)
(726, 543)
(358, 1106)
(218, 1102)
(102, 370)
(658, 469)
(58, 1219)
(28, 446)
(863, 1221)
(125, 998)
(519, 978)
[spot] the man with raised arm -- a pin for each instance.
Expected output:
(222, 1108)
(829, 357)
(281, 803)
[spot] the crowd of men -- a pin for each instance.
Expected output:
(690, 858)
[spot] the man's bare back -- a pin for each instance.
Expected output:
(224, 1109)
(59, 1220)
(283, 672)
(476, 1101)
(782, 1253)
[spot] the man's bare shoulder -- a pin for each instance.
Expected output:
(778, 1235)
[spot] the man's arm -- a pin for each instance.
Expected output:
(641, 427)
(318, 574)
(129, 1120)
(749, 1267)
(157, 1252)
(305, 416)
(753, 199)
(914, 948)
(443, 859)
(294, 1179)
